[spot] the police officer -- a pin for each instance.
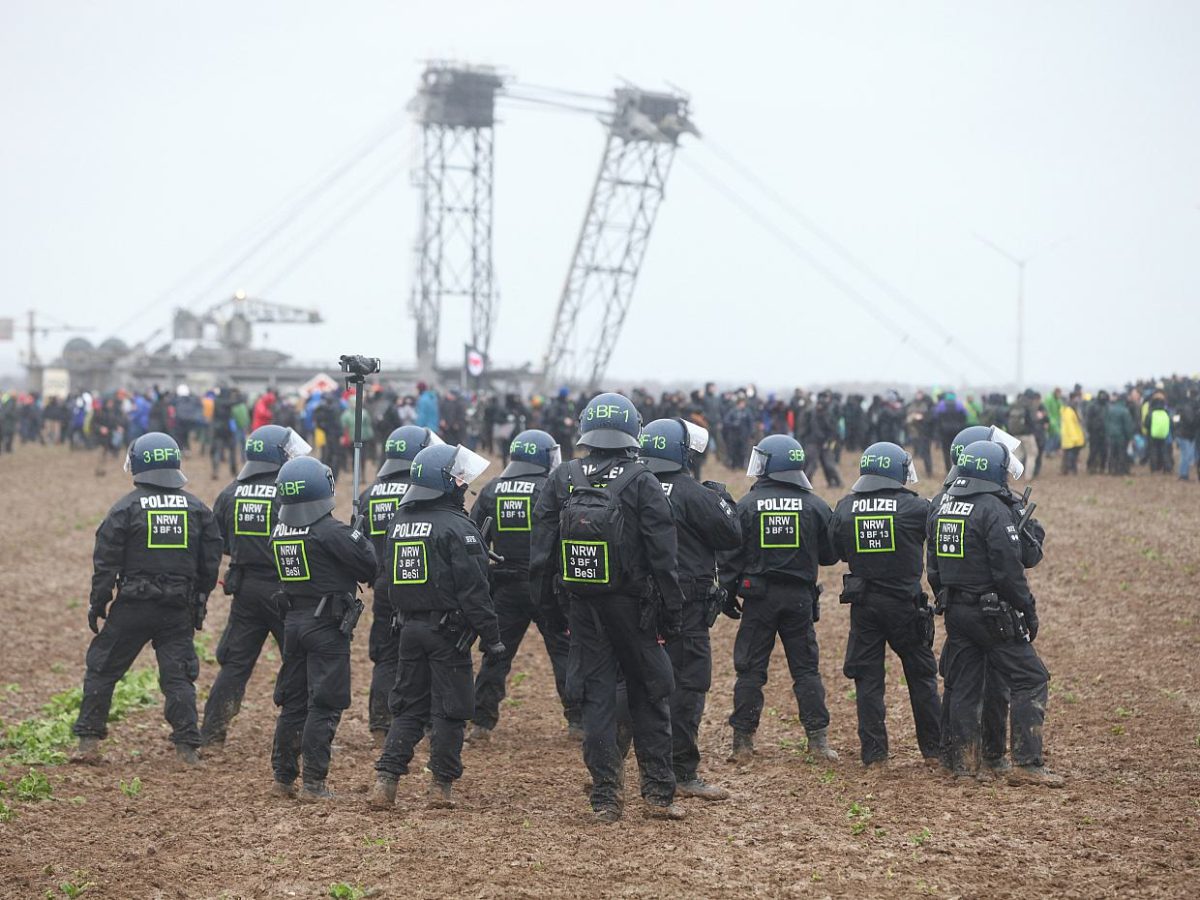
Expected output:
(994, 716)
(879, 529)
(604, 540)
(975, 566)
(161, 549)
(706, 523)
(247, 511)
(785, 537)
(508, 500)
(320, 562)
(378, 503)
(438, 565)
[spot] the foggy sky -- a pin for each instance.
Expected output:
(139, 137)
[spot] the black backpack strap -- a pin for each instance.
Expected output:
(575, 475)
(626, 477)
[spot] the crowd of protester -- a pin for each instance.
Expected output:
(1150, 422)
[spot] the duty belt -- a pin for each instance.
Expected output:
(963, 597)
(433, 616)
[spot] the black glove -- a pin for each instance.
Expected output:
(495, 652)
(199, 610)
(95, 613)
(732, 608)
(670, 622)
(1031, 623)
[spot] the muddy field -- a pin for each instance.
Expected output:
(1120, 632)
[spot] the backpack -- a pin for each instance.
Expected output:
(1160, 424)
(591, 526)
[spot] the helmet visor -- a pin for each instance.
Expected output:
(466, 465)
(295, 446)
(910, 472)
(999, 436)
(697, 437)
(758, 463)
(433, 440)
(128, 467)
(554, 456)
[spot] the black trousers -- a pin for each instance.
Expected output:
(514, 608)
(312, 689)
(993, 715)
(1159, 454)
(691, 660)
(130, 625)
(253, 615)
(383, 647)
(972, 657)
(1097, 460)
(607, 640)
(784, 609)
(433, 687)
(878, 621)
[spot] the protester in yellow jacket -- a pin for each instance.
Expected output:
(1071, 429)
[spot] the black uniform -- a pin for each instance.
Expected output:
(246, 512)
(974, 550)
(881, 534)
(321, 563)
(439, 585)
(994, 714)
(509, 502)
(378, 504)
(159, 547)
(785, 537)
(609, 633)
(706, 521)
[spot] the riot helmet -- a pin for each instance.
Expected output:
(779, 457)
(440, 470)
(610, 422)
(402, 446)
(982, 469)
(532, 452)
(154, 459)
(268, 447)
(884, 466)
(668, 445)
(305, 491)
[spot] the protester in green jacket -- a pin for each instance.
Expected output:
(1119, 429)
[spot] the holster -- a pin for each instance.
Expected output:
(234, 576)
(924, 619)
(998, 615)
(454, 626)
(352, 610)
(940, 601)
(853, 588)
(714, 602)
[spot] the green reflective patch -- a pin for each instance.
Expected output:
(585, 562)
(409, 563)
(779, 530)
(512, 514)
(291, 560)
(949, 537)
(379, 513)
(874, 534)
(166, 529)
(251, 517)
